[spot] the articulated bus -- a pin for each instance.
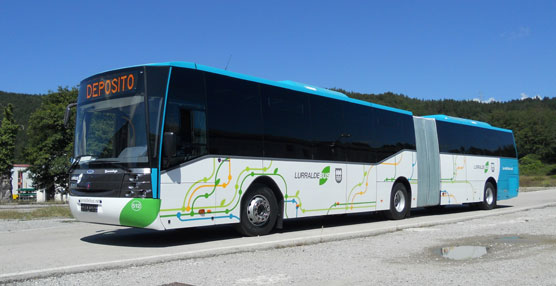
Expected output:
(175, 145)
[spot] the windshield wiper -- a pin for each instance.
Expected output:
(76, 161)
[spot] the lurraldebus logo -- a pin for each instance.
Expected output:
(485, 167)
(322, 176)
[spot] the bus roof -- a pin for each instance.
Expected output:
(292, 85)
(457, 120)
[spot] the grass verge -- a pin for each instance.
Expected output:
(40, 213)
(537, 181)
(28, 202)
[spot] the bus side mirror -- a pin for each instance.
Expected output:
(169, 144)
(67, 114)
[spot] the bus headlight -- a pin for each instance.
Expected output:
(137, 186)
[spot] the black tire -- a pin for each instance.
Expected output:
(489, 197)
(400, 203)
(259, 211)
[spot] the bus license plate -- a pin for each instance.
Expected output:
(89, 208)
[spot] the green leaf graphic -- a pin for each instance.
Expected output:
(324, 175)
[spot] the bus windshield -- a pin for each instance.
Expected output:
(112, 130)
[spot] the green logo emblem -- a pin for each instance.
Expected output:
(486, 167)
(324, 175)
(136, 206)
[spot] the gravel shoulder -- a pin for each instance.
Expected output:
(521, 250)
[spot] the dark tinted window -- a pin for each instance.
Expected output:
(463, 139)
(451, 139)
(157, 79)
(235, 124)
(392, 132)
(185, 116)
(328, 126)
(287, 128)
(357, 122)
(505, 144)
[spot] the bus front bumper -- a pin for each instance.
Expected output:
(134, 212)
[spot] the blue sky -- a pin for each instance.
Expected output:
(424, 49)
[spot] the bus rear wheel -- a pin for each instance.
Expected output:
(259, 211)
(489, 197)
(399, 203)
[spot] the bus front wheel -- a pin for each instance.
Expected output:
(399, 203)
(259, 211)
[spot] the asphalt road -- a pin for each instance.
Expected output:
(55, 248)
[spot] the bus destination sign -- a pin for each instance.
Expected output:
(111, 85)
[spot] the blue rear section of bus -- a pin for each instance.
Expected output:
(508, 180)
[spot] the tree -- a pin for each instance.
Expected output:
(8, 133)
(23, 106)
(50, 144)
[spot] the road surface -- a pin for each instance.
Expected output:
(45, 248)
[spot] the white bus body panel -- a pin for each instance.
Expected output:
(209, 190)
(464, 177)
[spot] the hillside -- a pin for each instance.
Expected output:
(24, 105)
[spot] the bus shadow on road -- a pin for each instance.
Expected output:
(369, 217)
(135, 237)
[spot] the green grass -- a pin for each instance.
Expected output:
(534, 173)
(40, 213)
(544, 169)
